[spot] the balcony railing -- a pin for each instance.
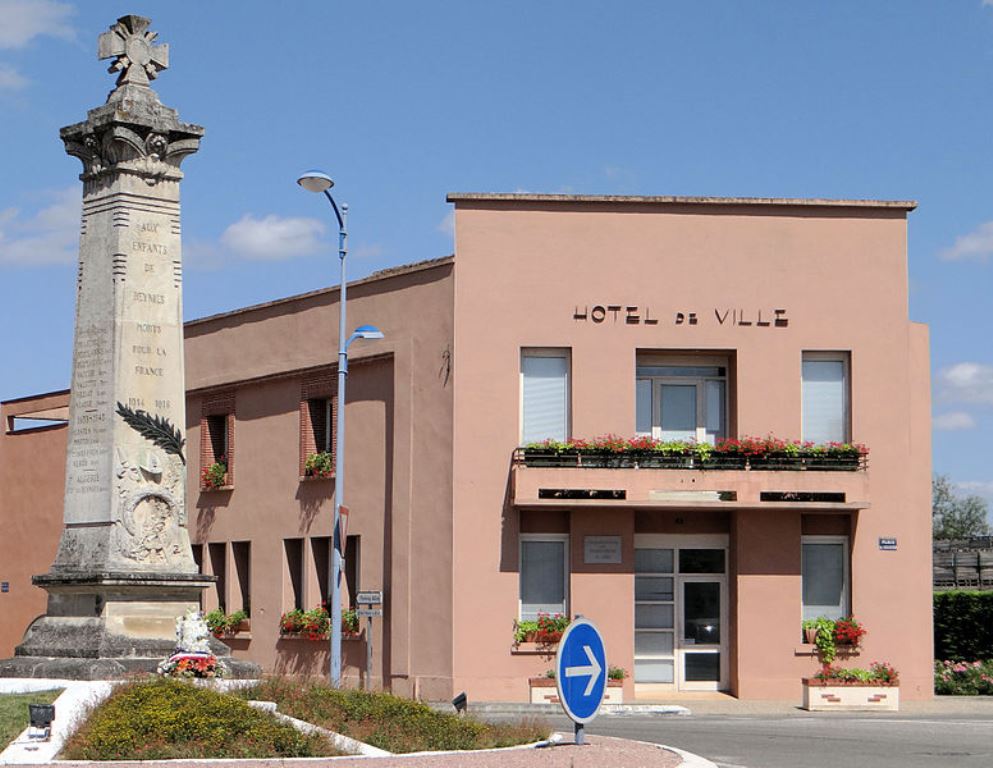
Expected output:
(773, 461)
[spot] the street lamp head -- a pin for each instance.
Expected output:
(368, 332)
(315, 181)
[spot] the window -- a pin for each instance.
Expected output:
(318, 415)
(824, 569)
(544, 395)
(825, 397)
(217, 434)
(241, 554)
(544, 585)
(321, 550)
(681, 398)
(218, 566)
(293, 579)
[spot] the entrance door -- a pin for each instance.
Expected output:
(680, 593)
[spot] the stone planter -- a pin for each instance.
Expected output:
(544, 691)
(852, 697)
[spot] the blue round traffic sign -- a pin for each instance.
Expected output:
(581, 670)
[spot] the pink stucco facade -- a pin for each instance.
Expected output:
(439, 503)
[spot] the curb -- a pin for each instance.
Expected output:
(520, 708)
(689, 759)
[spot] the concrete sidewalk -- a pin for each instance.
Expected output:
(709, 703)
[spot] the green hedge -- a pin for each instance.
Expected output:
(963, 625)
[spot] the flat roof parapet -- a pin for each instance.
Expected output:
(806, 202)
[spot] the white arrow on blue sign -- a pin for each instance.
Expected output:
(581, 671)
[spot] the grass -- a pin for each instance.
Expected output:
(386, 721)
(166, 718)
(14, 712)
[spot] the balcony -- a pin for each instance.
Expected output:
(814, 478)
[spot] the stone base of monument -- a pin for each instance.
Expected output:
(108, 626)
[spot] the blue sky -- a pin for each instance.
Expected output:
(403, 102)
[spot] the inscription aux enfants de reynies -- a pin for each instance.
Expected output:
(626, 314)
(147, 283)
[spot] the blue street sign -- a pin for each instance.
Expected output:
(581, 671)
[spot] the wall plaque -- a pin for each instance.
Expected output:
(602, 549)
(887, 544)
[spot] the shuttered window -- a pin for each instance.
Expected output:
(545, 395)
(544, 575)
(825, 398)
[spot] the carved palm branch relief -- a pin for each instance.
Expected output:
(155, 428)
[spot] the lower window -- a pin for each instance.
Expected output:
(544, 575)
(825, 575)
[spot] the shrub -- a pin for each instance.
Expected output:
(963, 678)
(166, 718)
(963, 625)
(386, 721)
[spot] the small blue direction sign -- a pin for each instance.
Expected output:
(581, 671)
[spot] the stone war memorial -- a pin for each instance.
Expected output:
(124, 571)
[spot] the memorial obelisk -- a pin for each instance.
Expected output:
(124, 570)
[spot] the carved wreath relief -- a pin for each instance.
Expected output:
(150, 493)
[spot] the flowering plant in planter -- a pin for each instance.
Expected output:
(848, 631)
(349, 624)
(764, 450)
(319, 464)
(545, 630)
(221, 624)
(215, 475)
(616, 673)
(828, 634)
(879, 673)
(314, 624)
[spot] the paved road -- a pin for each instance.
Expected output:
(959, 740)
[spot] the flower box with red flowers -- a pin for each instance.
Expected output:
(746, 453)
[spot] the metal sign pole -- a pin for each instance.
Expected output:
(368, 653)
(366, 599)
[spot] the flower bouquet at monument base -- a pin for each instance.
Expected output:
(192, 657)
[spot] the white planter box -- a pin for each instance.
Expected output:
(851, 698)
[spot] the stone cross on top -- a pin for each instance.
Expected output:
(138, 58)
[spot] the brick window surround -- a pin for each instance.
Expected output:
(316, 393)
(217, 431)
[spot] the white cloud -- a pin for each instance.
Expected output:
(273, 238)
(953, 420)
(447, 224)
(967, 383)
(367, 251)
(11, 79)
(976, 246)
(23, 20)
(51, 236)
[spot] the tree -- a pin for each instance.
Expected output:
(954, 516)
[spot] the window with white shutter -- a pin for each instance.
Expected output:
(544, 395)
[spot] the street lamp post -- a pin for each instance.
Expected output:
(318, 181)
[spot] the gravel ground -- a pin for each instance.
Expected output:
(598, 752)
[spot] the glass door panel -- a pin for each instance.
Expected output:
(678, 411)
(654, 615)
(701, 612)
